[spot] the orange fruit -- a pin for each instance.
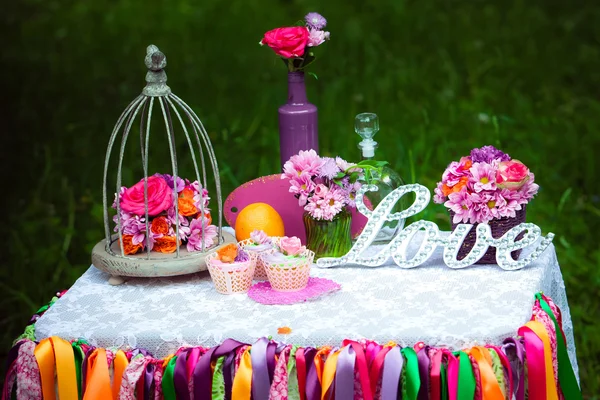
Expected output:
(258, 216)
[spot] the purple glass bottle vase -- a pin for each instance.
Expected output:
(297, 120)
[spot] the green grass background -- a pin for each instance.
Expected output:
(444, 77)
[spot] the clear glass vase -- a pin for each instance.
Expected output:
(329, 238)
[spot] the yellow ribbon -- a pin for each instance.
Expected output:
(319, 363)
(120, 363)
(540, 330)
(97, 379)
(329, 373)
(242, 382)
(489, 384)
(52, 353)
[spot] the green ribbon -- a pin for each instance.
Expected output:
(444, 380)
(79, 356)
(498, 370)
(566, 375)
(412, 380)
(218, 381)
(466, 378)
(168, 386)
(292, 372)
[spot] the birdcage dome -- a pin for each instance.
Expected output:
(131, 236)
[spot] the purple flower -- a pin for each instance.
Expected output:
(169, 179)
(487, 154)
(329, 168)
(260, 237)
(242, 256)
(184, 224)
(200, 200)
(315, 20)
(198, 228)
(350, 190)
(483, 177)
(135, 226)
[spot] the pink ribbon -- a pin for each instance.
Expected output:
(536, 364)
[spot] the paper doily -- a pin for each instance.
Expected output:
(262, 292)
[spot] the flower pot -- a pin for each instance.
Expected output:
(297, 120)
(329, 238)
(499, 227)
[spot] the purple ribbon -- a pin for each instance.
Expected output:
(228, 374)
(515, 352)
(313, 386)
(271, 347)
(424, 363)
(149, 380)
(143, 352)
(260, 370)
(202, 373)
(392, 370)
(12, 355)
(180, 380)
(344, 374)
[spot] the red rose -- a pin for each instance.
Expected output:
(160, 197)
(287, 42)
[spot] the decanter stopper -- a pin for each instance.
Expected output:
(367, 125)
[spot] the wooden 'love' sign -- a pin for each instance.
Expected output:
(397, 248)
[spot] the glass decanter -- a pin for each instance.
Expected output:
(385, 178)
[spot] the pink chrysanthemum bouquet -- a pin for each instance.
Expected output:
(486, 185)
(324, 186)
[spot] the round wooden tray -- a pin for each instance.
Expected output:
(158, 265)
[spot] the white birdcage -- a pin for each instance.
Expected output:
(108, 255)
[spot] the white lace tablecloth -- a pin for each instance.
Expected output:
(433, 303)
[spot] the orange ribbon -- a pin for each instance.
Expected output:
(242, 382)
(319, 363)
(120, 363)
(56, 352)
(540, 330)
(329, 373)
(489, 384)
(97, 378)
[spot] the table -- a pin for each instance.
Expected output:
(434, 304)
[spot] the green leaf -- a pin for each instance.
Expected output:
(313, 75)
(372, 163)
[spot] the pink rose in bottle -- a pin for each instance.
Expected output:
(287, 42)
(511, 175)
(160, 197)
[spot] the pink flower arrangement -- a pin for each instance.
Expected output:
(195, 228)
(485, 185)
(294, 44)
(324, 186)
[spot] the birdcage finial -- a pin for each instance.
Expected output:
(156, 77)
